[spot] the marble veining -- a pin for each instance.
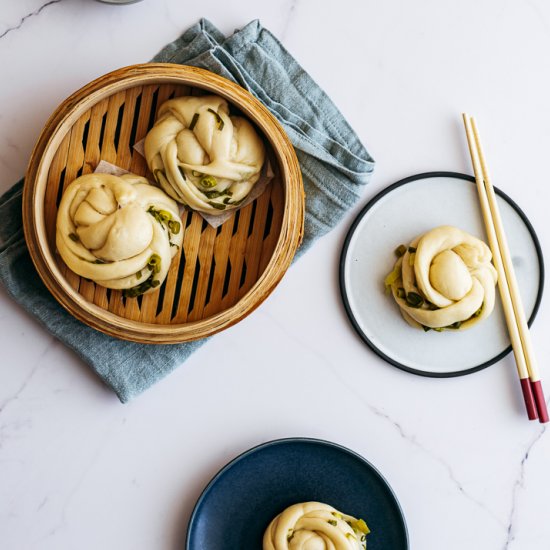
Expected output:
(32, 14)
(506, 526)
(24, 384)
(541, 18)
(72, 457)
(518, 486)
(442, 462)
(289, 18)
(42, 504)
(412, 439)
(7, 401)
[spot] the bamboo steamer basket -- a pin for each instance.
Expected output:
(220, 275)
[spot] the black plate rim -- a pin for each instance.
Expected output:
(285, 441)
(343, 291)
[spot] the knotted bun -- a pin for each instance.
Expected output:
(444, 280)
(119, 231)
(315, 526)
(201, 155)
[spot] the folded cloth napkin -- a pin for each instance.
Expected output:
(334, 165)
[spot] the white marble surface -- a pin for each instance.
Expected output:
(80, 470)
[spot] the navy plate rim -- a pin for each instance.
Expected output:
(284, 441)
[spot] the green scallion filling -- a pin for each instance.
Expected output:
(213, 194)
(162, 216)
(174, 227)
(361, 526)
(153, 263)
(194, 121)
(238, 203)
(217, 205)
(208, 182)
(219, 119)
(414, 300)
(143, 287)
(400, 250)
(165, 217)
(393, 276)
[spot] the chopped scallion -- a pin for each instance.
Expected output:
(174, 226)
(360, 525)
(208, 182)
(414, 300)
(393, 276)
(217, 205)
(165, 215)
(213, 194)
(154, 263)
(219, 119)
(143, 287)
(162, 216)
(194, 121)
(400, 250)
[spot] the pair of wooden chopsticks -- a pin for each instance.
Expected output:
(509, 292)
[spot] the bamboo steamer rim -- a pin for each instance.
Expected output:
(50, 138)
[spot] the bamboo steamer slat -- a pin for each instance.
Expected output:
(221, 274)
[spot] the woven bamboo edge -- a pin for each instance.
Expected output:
(33, 205)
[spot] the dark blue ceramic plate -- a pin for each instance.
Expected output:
(237, 505)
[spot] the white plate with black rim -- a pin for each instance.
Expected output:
(395, 216)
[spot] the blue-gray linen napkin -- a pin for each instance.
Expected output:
(334, 165)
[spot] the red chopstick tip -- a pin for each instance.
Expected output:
(529, 399)
(540, 401)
